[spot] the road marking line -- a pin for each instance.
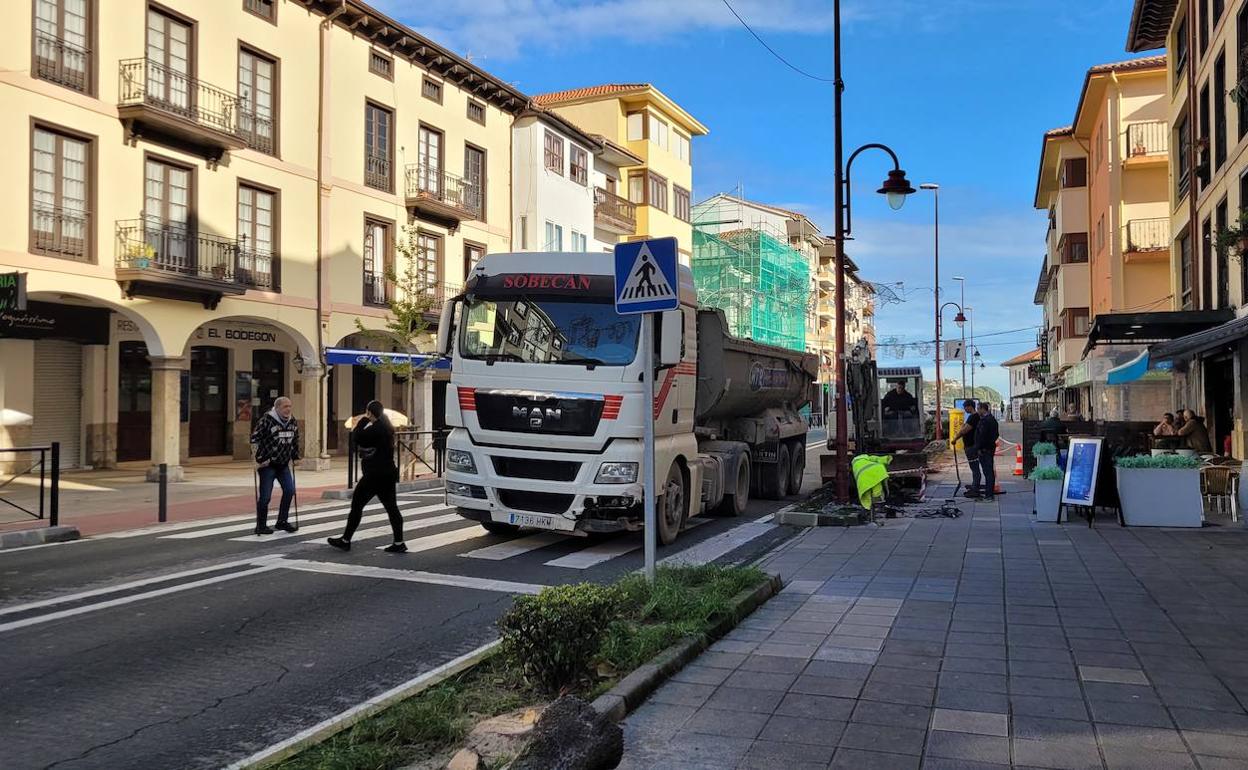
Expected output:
(322, 730)
(429, 542)
(322, 513)
(3, 551)
(132, 584)
(597, 554)
(712, 548)
(332, 525)
(375, 532)
(131, 599)
(160, 529)
(516, 547)
(387, 573)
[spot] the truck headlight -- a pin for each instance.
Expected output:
(616, 473)
(460, 460)
(465, 490)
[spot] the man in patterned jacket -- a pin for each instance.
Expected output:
(275, 444)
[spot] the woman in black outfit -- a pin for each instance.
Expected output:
(374, 443)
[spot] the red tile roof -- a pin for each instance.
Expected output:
(582, 93)
(1025, 358)
(1063, 131)
(1142, 63)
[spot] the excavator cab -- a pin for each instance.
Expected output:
(900, 394)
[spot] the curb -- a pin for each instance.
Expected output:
(631, 691)
(419, 485)
(28, 537)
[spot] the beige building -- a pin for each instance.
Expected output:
(205, 199)
(644, 121)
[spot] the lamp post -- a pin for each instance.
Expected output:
(970, 320)
(960, 320)
(935, 188)
(962, 282)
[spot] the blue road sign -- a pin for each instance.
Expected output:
(645, 276)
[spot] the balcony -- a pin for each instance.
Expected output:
(378, 290)
(1146, 240)
(826, 276)
(1148, 143)
(60, 232)
(171, 261)
(257, 131)
(440, 196)
(60, 61)
(377, 171)
(155, 99)
(613, 213)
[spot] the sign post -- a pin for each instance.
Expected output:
(646, 283)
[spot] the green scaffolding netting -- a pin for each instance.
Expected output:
(761, 284)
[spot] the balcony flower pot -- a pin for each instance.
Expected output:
(1161, 491)
(1048, 482)
(218, 272)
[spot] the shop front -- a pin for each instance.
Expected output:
(359, 372)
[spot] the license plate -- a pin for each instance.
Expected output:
(537, 520)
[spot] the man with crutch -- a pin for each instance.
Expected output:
(275, 445)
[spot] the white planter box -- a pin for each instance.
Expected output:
(1048, 500)
(1160, 497)
(1046, 461)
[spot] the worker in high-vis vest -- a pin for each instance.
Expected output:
(871, 477)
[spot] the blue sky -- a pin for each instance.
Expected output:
(961, 89)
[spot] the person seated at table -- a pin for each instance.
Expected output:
(1195, 434)
(1166, 427)
(899, 401)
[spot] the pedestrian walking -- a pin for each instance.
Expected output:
(967, 436)
(374, 441)
(275, 445)
(986, 435)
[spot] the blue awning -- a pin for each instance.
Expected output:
(350, 357)
(1135, 369)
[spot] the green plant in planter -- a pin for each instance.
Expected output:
(1234, 239)
(1043, 449)
(1160, 462)
(1047, 473)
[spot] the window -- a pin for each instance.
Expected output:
(168, 67)
(1204, 26)
(378, 262)
(1180, 50)
(265, 9)
(476, 112)
(1185, 271)
(1183, 178)
(257, 217)
(1241, 72)
(579, 242)
(1219, 111)
(1100, 234)
(378, 147)
(657, 192)
(658, 133)
(636, 126)
(473, 252)
(554, 152)
(524, 232)
(1076, 323)
(1073, 248)
(637, 187)
(431, 89)
(257, 104)
(60, 222)
(381, 63)
(1223, 258)
(167, 214)
(1204, 133)
(1075, 172)
(62, 52)
(1216, 16)
(681, 196)
(682, 146)
(429, 161)
(1243, 263)
(1206, 264)
(554, 237)
(474, 180)
(428, 259)
(579, 170)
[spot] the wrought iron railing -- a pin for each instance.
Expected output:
(377, 289)
(424, 182)
(1148, 138)
(1147, 235)
(60, 232)
(148, 82)
(377, 172)
(254, 267)
(59, 61)
(257, 131)
(151, 244)
(614, 209)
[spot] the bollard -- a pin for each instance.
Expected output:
(162, 511)
(54, 495)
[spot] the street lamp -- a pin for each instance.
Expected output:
(962, 282)
(970, 320)
(958, 319)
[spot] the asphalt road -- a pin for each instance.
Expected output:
(197, 645)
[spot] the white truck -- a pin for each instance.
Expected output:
(546, 403)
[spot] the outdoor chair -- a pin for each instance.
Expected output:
(1219, 486)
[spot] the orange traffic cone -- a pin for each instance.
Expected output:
(1018, 460)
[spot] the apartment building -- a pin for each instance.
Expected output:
(207, 198)
(642, 119)
(1026, 383)
(566, 185)
(1207, 120)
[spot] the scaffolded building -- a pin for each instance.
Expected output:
(762, 285)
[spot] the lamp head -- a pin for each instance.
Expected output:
(959, 319)
(896, 188)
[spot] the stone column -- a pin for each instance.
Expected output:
(166, 416)
(312, 419)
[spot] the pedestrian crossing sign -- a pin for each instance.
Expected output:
(645, 276)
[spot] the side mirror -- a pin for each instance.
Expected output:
(445, 327)
(671, 338)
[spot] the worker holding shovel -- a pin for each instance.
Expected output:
(275, 444)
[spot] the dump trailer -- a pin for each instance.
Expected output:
(547, 413)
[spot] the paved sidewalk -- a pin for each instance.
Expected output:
(987, 641)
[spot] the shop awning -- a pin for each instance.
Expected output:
(1136, 368)
(1209, 339)
(350, 357)
(1152, 328)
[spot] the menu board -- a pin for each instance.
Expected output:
(1082, 463)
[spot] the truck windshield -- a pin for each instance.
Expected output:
(556, 331)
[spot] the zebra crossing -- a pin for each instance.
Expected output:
(429, 524)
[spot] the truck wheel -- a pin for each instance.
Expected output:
(500, 528)
(734, 504)
(774, 478)
(671, 507)
(797, 459)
